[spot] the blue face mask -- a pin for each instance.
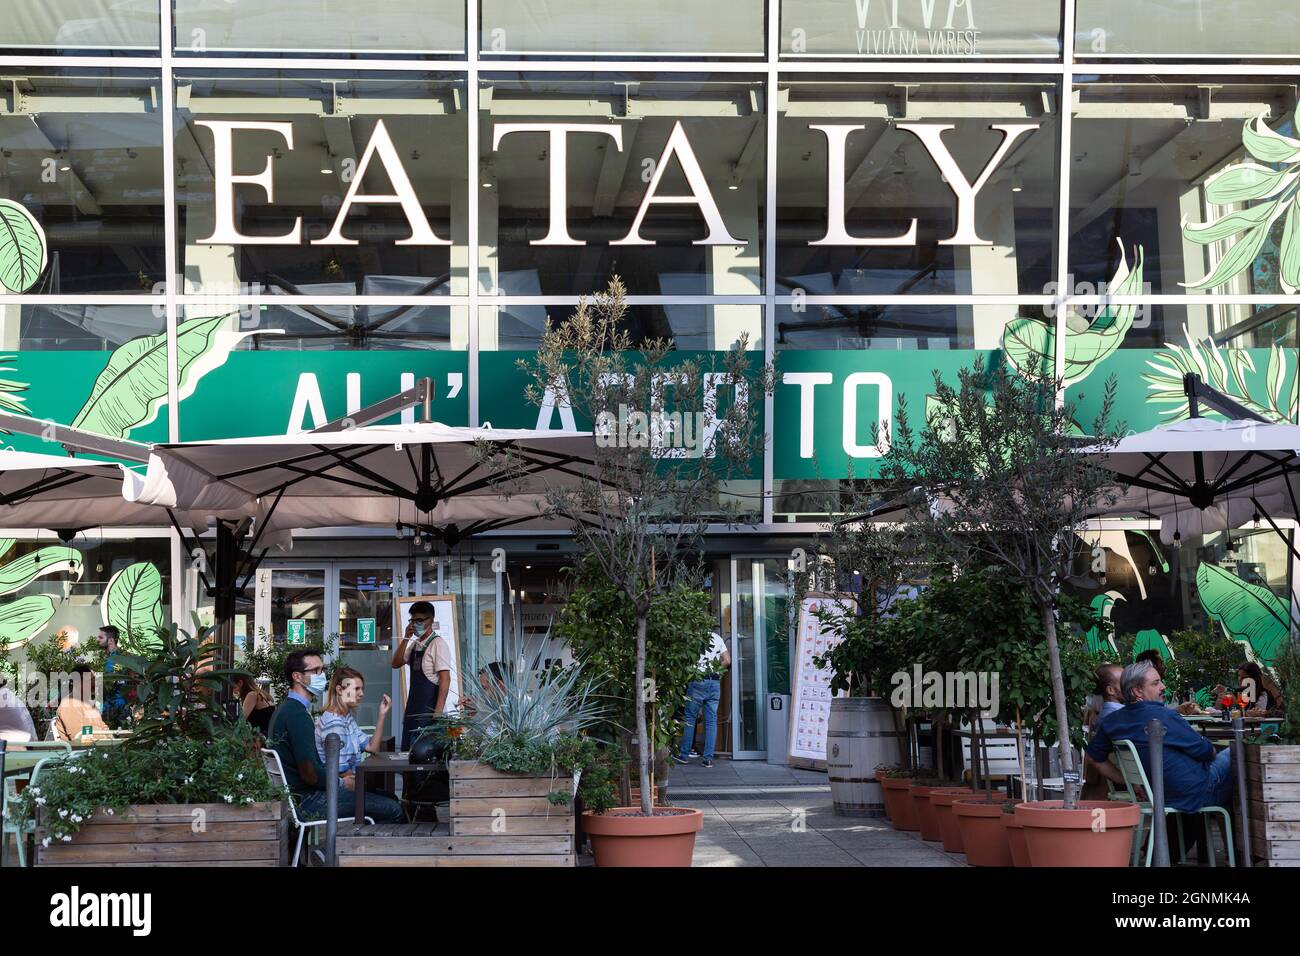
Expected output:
(318, 684)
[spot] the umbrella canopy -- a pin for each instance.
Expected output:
(1200, 475)
(62, 493)
(424, 473)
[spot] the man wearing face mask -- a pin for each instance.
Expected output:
(293, 734)
(426, 698)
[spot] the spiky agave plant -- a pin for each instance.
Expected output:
(528, 707)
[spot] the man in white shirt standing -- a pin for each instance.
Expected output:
(705, 692)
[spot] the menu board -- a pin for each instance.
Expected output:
(810, 703)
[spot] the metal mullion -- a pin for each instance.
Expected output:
(954, 299)
(1063, 163)
(275, 63)
(172, 277)
(471, 206)
(767, 483)
(1187, 69)
(113, 62)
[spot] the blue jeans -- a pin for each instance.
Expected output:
(379, 806)
(1222, 779)
(706, 694)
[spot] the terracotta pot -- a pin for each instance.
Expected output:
(941, 800)
(880, 777)
(982, 833)
(898, 802)
(1016, 839)
(1055, 836)
(925, 815)
(622, 837)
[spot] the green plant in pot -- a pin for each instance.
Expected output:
(640, 506)
(992, 476)
(183, 749)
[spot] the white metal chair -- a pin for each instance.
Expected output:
(19, 829)
(275, 770)
(1003, 756)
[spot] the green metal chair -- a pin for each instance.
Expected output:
(19, 829)
(1125, 756)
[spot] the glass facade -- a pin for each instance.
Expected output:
(304, 206)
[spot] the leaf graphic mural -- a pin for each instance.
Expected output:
(1102, 605)
(1149, 639)
(1272, 184)
(19, 573)
(133, 386)
(1247, 612)
(133, 599)
(22, 619)
(1028, 342)
(1271, 391)
(22, 248)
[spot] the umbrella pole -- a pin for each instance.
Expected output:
(224, 592)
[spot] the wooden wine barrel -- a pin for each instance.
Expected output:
(859, 737)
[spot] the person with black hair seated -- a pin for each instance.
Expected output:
(293, 735)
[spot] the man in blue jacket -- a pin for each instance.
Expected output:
(1195, 776)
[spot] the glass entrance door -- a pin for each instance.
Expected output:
(367, 593)
(760, 648)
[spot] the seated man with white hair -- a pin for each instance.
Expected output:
(1195, 776)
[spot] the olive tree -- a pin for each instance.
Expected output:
(992, 476)
(671, 430)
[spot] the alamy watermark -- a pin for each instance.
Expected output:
(670, 434)
(954, 690)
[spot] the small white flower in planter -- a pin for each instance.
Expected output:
(67, 839)
(63, 813)
(35, 790)
(229, 798)
(239, 776)
(45, 842)
(40, 801)
(248, 799)
(109, 811)
(77, 818)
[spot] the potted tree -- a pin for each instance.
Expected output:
(1273, 771)
(655, 481)
(992, 477)
(187, 788)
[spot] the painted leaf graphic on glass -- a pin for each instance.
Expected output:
(1270, 391)
(20, 572)
(133, 599)
(1028, 342)
(1247, 612)
(1271, 182)
(22, 248)
(22, 619)
(133, 386)
(1149, 639)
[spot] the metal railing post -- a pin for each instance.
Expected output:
(1160, 831)
(332, 744)
(1243, 805)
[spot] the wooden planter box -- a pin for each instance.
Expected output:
(164, 835)
(1273, 794)
(497, 819)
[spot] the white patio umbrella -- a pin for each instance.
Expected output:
(424, 474)
(70, 494)
(1201, 475)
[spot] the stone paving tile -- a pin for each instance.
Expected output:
(789, 855)
(880, 860)
(774, 829)
(884, 842)
(734, 852)
(732, 808)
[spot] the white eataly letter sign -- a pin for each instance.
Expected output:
(678, 147)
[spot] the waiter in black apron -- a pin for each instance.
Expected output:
(425, 698)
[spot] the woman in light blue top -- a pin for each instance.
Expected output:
(347, 688)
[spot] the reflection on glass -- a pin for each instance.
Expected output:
(331, 328)
(311, 26)
(866, 202)
(82, 155)
(896, 328)
(1141, 175)
(474, 585)
(61, 25)
(691, 327)
(920, 28)
(367, 593)
(619, 216)
(1190, 28)
(298, 595)
(580, 28)
(367, 175)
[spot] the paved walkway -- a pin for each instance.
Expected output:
(799, 831)
(728, 779)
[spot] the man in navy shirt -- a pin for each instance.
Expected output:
(1194, 776)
